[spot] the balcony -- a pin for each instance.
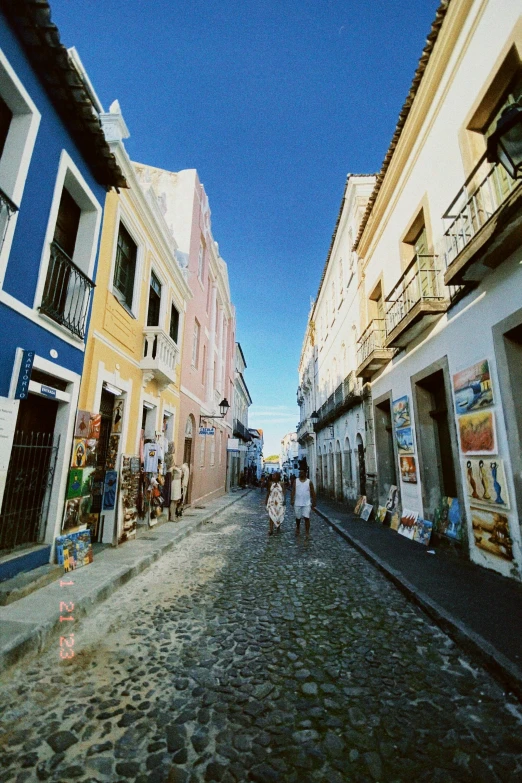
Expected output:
(7, 210)
(240, 431)
(371, 353)
(66, 293)
(346, 396)
(483, 223)
(418, 299)
(305, 430)
(160, 356)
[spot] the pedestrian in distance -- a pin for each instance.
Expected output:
(303, 499)
(275, 503)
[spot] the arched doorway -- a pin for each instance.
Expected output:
(338, 472)
(331, 471)
(188, 452)
(325, 469)
(361, 466)
(319, 471)
(347, 468)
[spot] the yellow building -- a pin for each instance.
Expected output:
(133, 357)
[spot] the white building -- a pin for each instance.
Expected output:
(289, 454)
(255, 452)
(441, 291)
(241, 404)
(331, 430)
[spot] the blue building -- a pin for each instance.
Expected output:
(55, 168)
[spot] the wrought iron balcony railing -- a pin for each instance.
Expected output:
(7, 210)
(66, 293)
(371, 339)
(484, 192)
(421, 282)
(241, 431)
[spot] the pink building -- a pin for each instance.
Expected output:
(208, 348)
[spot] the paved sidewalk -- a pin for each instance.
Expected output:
(478, 608)
(28, 625)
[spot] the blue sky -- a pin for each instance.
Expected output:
(274, 102)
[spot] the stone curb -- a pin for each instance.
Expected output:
(475, 645)
(38, 637)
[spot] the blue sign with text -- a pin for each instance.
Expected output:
(24, 376)
(47, 391)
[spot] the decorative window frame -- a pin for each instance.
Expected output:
(124, 216)
(86, 248)
(19, 146)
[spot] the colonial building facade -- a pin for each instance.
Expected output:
(55, 169)
(331, 431)
(208, 352)
(241, 403)
(441, 282)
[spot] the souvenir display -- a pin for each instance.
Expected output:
(91, 447)
(71, 518)
(394, 522)
(109, 490)
(128, 491)
(112, 452)
(117, 416)
(447, 519)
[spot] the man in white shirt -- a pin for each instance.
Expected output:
(303, 500)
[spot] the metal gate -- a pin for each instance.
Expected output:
(28, 488)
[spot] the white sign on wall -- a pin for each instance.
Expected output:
(233, 444)
(8, 415)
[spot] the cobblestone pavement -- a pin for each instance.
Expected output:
(240, 656)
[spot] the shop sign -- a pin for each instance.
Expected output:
(24, 375)
(207, 430)
(233, 444)
(47, 391)
(8, 415)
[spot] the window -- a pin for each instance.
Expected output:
(6, 115)
(204, 368)
(125, 270)
(213, 450)
(200, 261)
(67, 223)
(154, 301)
(209, 290)
(195, 344)
(174, 323)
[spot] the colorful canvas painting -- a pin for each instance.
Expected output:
(87, 481)
(94, 426)
(366, 511)
(393, 498)
(473, 388)
(79, 452)
(422, 531)
(112, 452)
(109, 490)
(91, 449)
(74, 484)
(81, 429)
(361, 500)
(491, 533)
(405, 440)
(401, 412)
(477, 433)
(447, 518)
(381, 513)
(486, 482)
(408, 469)
(117, 416)
(394, 522)
(71, 514)
(407, 523)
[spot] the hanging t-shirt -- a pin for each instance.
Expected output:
(150, 458)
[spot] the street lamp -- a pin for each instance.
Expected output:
(505, 143)
(223, 409)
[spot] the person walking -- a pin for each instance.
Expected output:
(275, 502)
(303, 499)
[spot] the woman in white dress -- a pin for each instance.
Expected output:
(275, 503)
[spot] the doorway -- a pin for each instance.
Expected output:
(187, 454)
(361, 462)
(338, 472)
(386, 461)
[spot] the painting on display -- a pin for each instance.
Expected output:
(486, 482)
(447, 519)
(422, 531)
(393, 498)
(109, 490)
(112, 452)
(407, 523)
(394, 522)
(405, 440)
(408, 469)
(361, 500)
(401, 412)
(129, 491)
(477, 433)
(381, 513)
(91, 452)
(366, 511)
(87, 481)
(74, 484)
(491, 533)
(79, 452)
(71, 516)
(94, 426)
(472, 387)
(81, 429)
(117, 416)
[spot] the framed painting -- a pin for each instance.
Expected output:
(422, 531)
(401, 412)
(408, 469)
(381, 513)
(361, 500)
(491, 533)
(477, 433)
(486, 482)
(74, 484)
(366, 511)
(472, 388)
(79, 452)
(392, 500)
(81, 429)
(407, 523)
(404, 438)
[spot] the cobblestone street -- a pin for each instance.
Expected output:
(240, 656)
